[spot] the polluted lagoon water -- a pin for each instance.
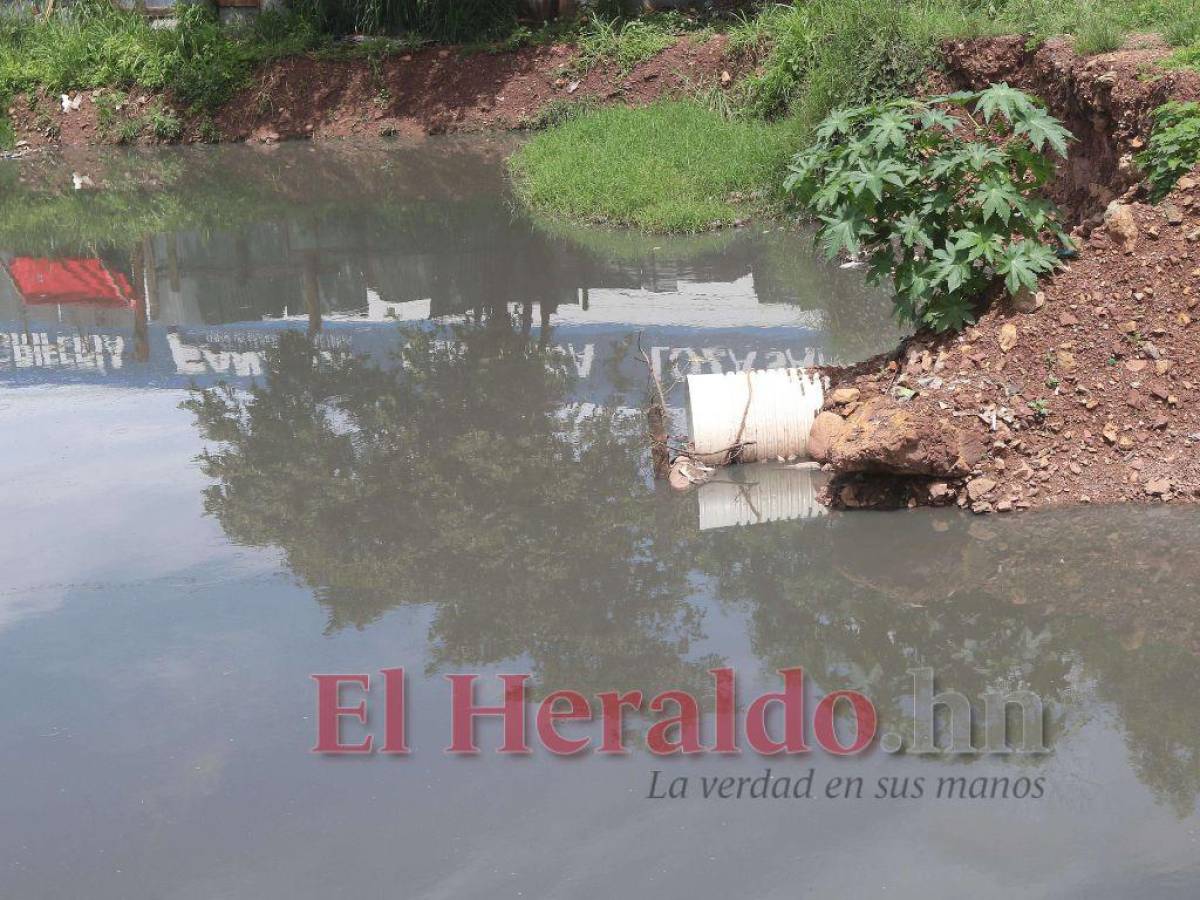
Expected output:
(313, 410)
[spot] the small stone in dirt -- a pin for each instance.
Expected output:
(1027, 301)
(1067, 319)
(1159, 390)
(1110, 433)
(825, 429)
(1004, 506)
(1121, 225)
(1066, 360)
(1156, 487)
(1008, 336)
(1174, 216)
(978, 488)
(842, 396)
(1135, 365)
(1125, 442)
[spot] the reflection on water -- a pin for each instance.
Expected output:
(148, 290)
(350, 485)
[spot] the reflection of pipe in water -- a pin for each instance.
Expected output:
(753, 416)
(761, 493)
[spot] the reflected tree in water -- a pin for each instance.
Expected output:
(460, 477)
(463, 477)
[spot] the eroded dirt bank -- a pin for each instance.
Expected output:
(432, 91)
(1087, 391)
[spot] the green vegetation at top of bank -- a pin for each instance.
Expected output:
(442, 21)
(940, 213)
(822, 54)
(672, 166)
(91, 45)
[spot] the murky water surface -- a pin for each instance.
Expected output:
(270, 414)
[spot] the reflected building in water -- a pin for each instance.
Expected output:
(202, 303)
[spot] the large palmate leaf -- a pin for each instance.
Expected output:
(889, 129)
(1041, 129)
(873, 177)
(997, 197)
(843, 233)
(1005, 100)
(1022, 262)
(982, 243)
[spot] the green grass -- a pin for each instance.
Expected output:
(92, 45)
(669, 167)
(828, 53)
(434, 20)
(1184, 32)
(625, 42)
(1100, 35)
(1187, 58)
(163, 123)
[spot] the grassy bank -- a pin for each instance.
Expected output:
(672, 166)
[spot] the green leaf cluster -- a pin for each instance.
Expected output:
(940, 195)
(1173, 149)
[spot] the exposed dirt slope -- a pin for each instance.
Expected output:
(1091, 394)
(1106, 101)
(432, 91)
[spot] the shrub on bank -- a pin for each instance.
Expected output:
(434, 20)
(943, 207)
(829, 53)
(1174, 147)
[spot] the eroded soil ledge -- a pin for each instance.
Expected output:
(430, 91)
(1089, 390)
